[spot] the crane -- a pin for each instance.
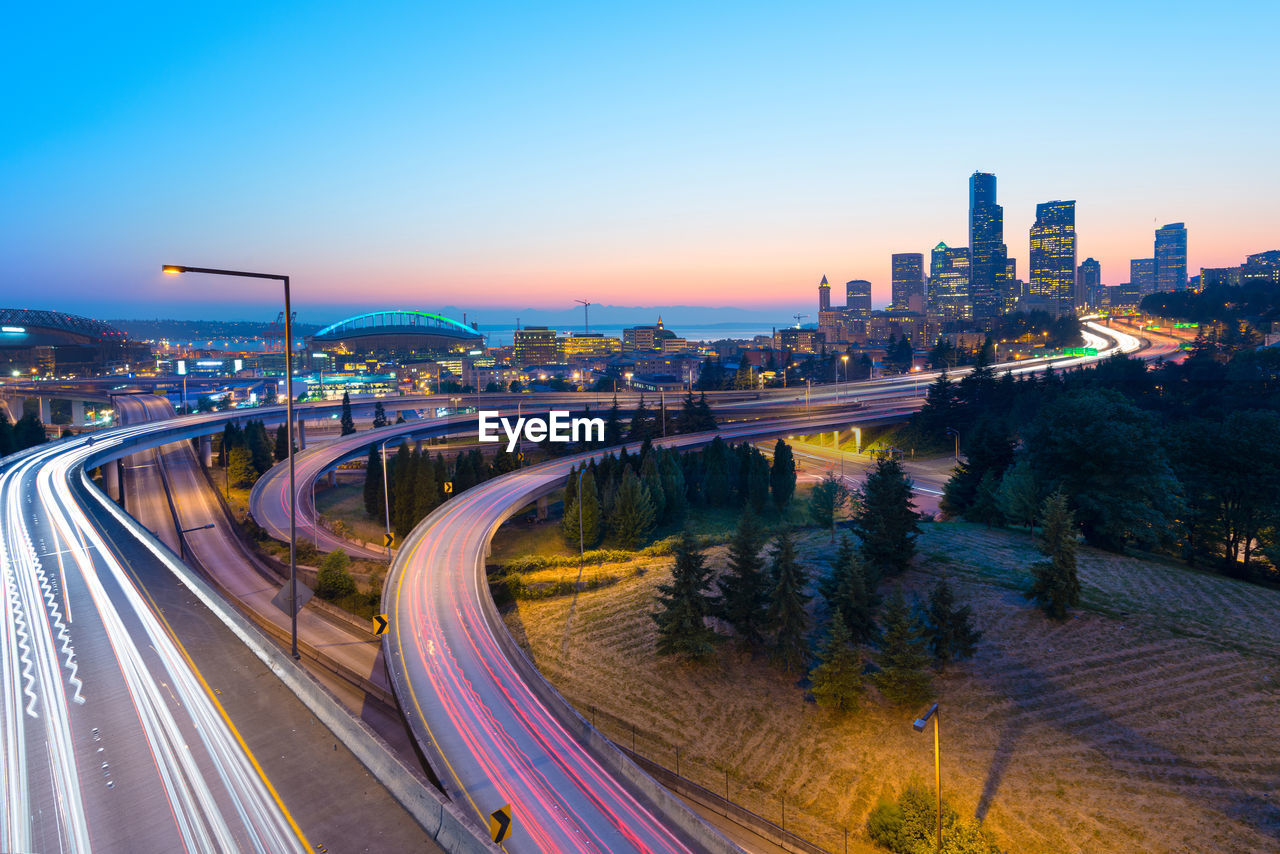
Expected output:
(798, 318)
(586, 322)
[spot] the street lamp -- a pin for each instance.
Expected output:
(844, 358)
(173, 269)
(919, 726)
(386, 494)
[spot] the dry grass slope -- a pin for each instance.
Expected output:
(1148, 722)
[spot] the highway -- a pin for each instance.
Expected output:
(105, 715)
(112, 739)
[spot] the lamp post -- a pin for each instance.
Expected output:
(386, 494)
(844, 359)
(919, 726)
(174, 269)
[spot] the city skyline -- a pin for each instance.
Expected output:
(424, 157)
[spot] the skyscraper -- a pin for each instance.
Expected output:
(1053, 258)
(949, 283)
(1089, 284)
(908, 281)
(824, 295)
(1142, 275)
(1171, 257)
(857, 299)
(987, 251)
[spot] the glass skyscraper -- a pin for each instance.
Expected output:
(1089, 284)
(1142, 275)
(1171, 257)
(908, 281)
(1053, 258)
(949, 283)
(987, 252)
(857, 299)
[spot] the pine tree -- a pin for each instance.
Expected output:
(829, 582)
(613, 425)
(886, 520)
(348, 423)
(687, 419)
(632, 517)
(651, 476)
(6, 437)
(281, 450)
(379, 415)
(441, 476)
(426, 496)
(716, 485)
(374, 499)
(744, 589)
(29, 432)
(827, 499)
(757, 479)
(787, 617)
(1018, 494)
(584, 530)
(782, 476)
(402, 498)
(903, 658)
(240, 470)
(706, 418)
(675, 502)
(684, 605)
(837, 680)
(641, 424)
(949, 630)
(854, 599)
(986, 502)
(259, 446)
(1056, 585)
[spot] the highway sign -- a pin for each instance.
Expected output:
(389, 539)
(282, 599)
(380, 624)
(448, 487)
(500, 823)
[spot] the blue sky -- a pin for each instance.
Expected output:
(510, 155)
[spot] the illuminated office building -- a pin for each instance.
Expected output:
(1171, 257)
(857, 299)
(1142, 275)
(949, 283)
(1089, 284)
(987, 252)
(1053, 258)
(908, 281)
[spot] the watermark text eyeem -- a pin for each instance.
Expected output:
(557, 427)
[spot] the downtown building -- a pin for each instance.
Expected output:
(1142, 276)
(949, 284)
(987, 251)
(1171, 258)
(1051, 286)
(908, 282)
(1089, 290)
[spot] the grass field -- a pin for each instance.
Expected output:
(346, 502)
(1146, 723)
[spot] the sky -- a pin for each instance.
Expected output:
(499, 156)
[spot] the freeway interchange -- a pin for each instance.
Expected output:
(98, 687)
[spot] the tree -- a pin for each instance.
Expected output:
(717, 487)
(240, 470)
(632, 517)
(402, 494)
(902, 678)
(426, 495)
(744, 590)
(846, 591)
(757, 479)
(1056, 585)
(782, 476)
(651, 477)
(584, 530)
(374, 499)
(787, 617)
(829, 497)
(6, 437)
(948, 628)
(1018, 495)
(333, 580)
(886, 520)
(379, 415)
(281, 450)
(260, 450)
(613, 425)
(837, 680)
(1104, 455)
(684, 605)
(676, 504)
(641, 427)
(28, 432)
(348, 423)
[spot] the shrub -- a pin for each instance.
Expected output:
(909, 826)
(334, 581)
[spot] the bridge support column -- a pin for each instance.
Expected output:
(206, 451)
(542, 509)
(835, 439)
(301, 434)
(857, 439)
(111, 480)
(77, 413)
(333, 477)
(46, 410)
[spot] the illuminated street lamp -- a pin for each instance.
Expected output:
(844, 358)
(173, 269)
(919, 726)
